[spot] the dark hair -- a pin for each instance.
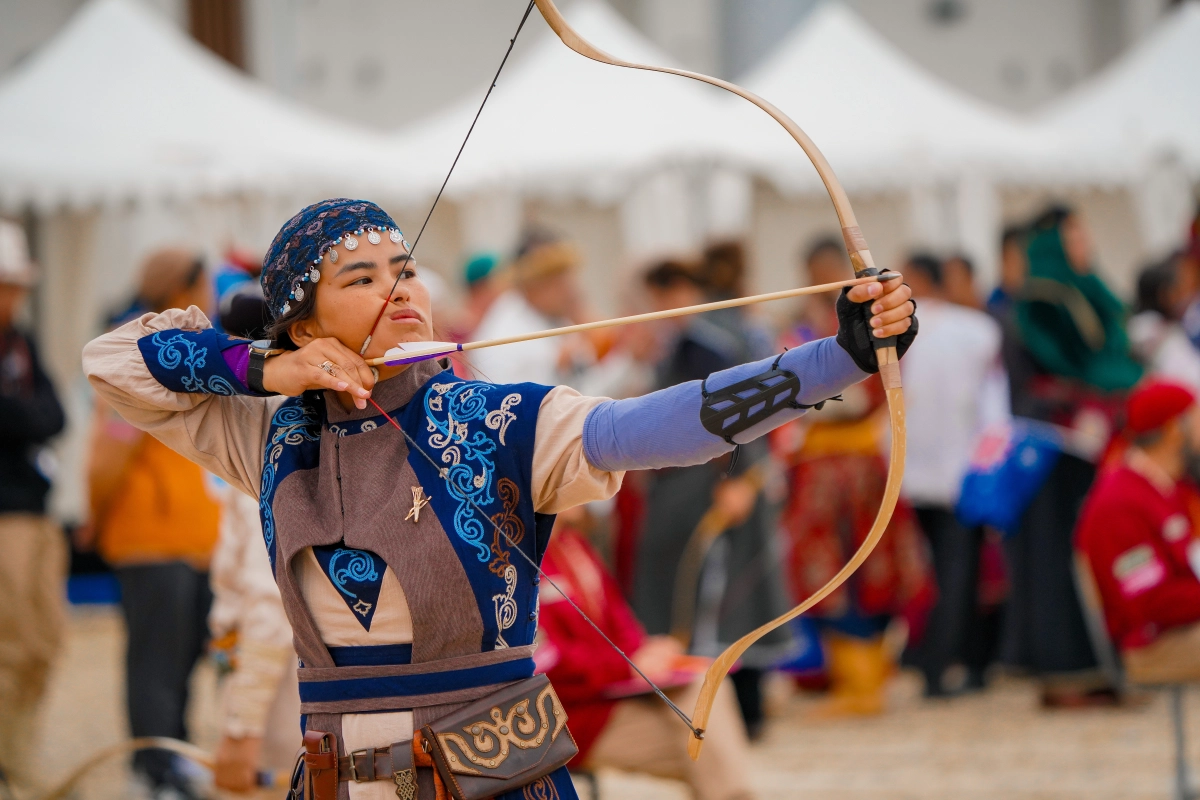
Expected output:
(243, 311)
(1148, 438)
(927, 264)
(1152, 285)
(723, 267)
(1051, 217)
(1014, 235)
(964, 260)
(277, 329)
(823, 244)
(671, 272)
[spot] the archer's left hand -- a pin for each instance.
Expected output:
(875, 311)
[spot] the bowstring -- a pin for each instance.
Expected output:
(697, 732)
(453, 164)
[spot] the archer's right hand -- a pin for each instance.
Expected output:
(298, 371)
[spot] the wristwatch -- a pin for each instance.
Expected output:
(260, 351)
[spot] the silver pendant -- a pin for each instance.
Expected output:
(333, 256)
(396, 236)
(299, 293)
(314, 275)
(373, 237)
(351, 243)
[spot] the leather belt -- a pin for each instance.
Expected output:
(368, 764)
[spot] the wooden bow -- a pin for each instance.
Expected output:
(889, 365)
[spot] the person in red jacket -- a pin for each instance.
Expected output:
(616, 721)
(1138, 530)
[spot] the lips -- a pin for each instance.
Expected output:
(406, 314)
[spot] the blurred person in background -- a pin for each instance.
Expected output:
(708, 567)
(958, 282)
(1138, 533)
(953, 389)
(836, 476)
(33, 551)
(1189, 265)
(1069, 364)
(1014, 267)
(484, 283)
(723, 273)
(1155, 333)
(252, 639)
(236, 270)
(616, 721)
(155, 516)
(544, 294)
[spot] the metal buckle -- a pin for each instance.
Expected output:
(369, 752)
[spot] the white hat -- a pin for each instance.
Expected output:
(15, 266)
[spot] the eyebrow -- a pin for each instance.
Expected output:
(357, 265)
(399, 258)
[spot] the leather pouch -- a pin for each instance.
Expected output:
(320, 765)
(503, 741)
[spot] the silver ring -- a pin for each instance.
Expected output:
(329, 367)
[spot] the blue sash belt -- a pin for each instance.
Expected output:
(413, 685)
(381, 678)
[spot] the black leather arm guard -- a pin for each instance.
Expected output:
(742, 405)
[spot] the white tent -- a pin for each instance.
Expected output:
(881, 120)
(561, 125)
(122, 105)
(1143, 106)
(1137, 126)
(123, 134)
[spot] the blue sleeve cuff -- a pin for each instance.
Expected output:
(662, 429)
(191, 362)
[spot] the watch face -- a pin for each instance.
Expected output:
(262, 344)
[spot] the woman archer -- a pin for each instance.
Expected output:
(392, 535)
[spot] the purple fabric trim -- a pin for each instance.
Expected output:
(238, 361)
(662, 429)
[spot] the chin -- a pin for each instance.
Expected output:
(410, 333)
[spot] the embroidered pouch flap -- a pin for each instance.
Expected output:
(503, 741)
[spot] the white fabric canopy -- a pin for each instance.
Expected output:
(881, 120)
(122, 105)
(560, 124)
(1144, 106)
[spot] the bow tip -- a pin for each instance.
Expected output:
(695, 742)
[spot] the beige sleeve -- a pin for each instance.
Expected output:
(225, 435)
(562, 476)
(251, 689)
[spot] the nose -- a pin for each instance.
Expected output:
(400, 293)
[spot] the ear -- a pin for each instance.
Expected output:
(303, 331)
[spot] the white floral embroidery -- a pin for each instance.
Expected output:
(501, 417)
(506, 607)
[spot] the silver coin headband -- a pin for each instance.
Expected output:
(350, 240)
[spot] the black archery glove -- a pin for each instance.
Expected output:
(854, 332)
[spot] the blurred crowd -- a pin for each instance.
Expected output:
(1047, 523)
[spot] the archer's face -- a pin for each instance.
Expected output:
(351, 292)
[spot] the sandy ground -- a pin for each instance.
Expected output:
(993, 745)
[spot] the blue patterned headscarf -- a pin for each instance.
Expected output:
(294, 258)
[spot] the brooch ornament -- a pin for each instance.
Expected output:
(419, 502)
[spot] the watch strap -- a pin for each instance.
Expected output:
(254, 372)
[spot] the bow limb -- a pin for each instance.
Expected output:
(889, 366)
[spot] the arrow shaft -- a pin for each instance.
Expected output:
(652, 316)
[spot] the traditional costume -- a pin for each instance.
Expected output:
(1137, 531)
(393, 547)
